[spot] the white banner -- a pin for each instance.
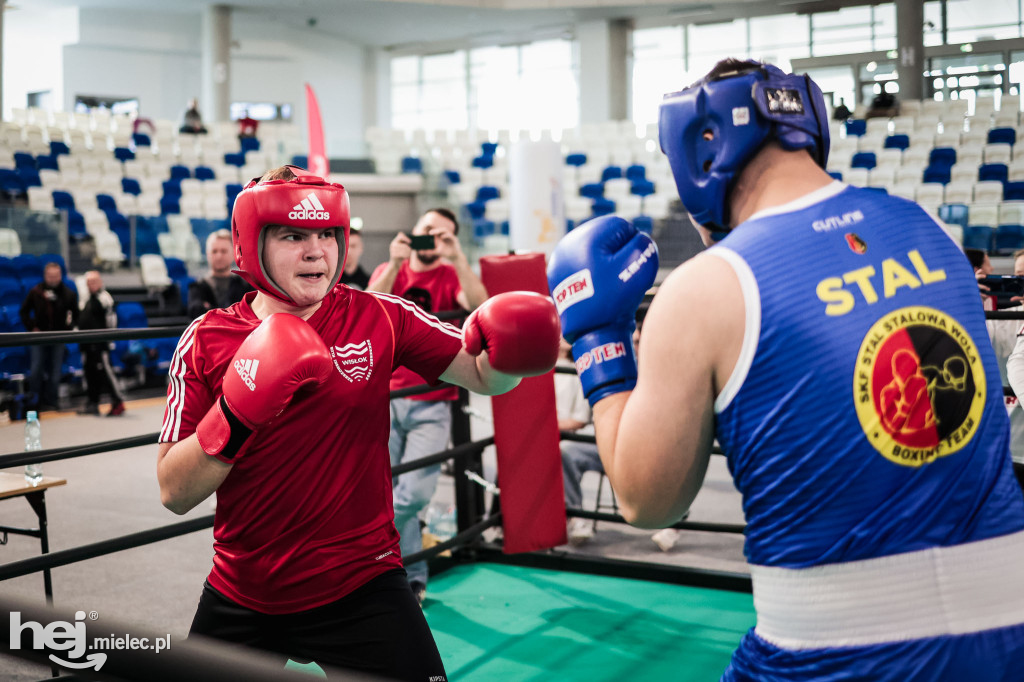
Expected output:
(536, 201)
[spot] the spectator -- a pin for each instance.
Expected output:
(221, 287)
(51, 306)
(247, 125)
(354, 275)
(841, 112)
(884, 105)
(437, 279)
(97, 312)
(193, 123)
(1005, 335)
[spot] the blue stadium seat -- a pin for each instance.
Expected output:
(169, 205)
(131, 186)
(11, 293)
(24, 160)
(63, 201)
(123, 154)
(76, 225)
(856, 127)
(29, 176)
(105, 202)
(993, 171)
(28, 266)
(453, 177)
(235, 159)
(57, 148)
(7, 268)
(899, 141)
(483, 161)
(864, 160)
(636, 172)
(250, 144)
(939, 173)
(836, 174)
(131, 315)
(1013, 191)
(204, 173)
(602, 206)
(172, 188)
(482, 228)
(176, 268)
(117, 221)
(978, 237)
(231, 190)
(1002, 136)
(942, 156)
(487, 192)
(1009, 238)
(179, 173)
(576, 159)
(955, 214)
(644, 223)
(145, 240)
(47, 162)
(611, 172)
(412, 164)
(300, 160)
(124, 235)
(592, 190)
(489, 148)
(476, 210)
(141, 140)
(642, 188)
(11, 183)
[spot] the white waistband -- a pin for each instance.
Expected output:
(940, 591)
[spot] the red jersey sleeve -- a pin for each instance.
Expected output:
(188, 395)
(423, 343)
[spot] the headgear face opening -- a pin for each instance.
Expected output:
(306, 201)
(712, 129)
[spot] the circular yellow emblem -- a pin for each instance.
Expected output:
(919, 386)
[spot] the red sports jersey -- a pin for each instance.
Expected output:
(305, 517)
(435, 291)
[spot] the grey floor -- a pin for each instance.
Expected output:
(157, 586)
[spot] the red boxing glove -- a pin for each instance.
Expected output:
(519, 330)
(278, 358)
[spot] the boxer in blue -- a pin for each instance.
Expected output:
(833, 343)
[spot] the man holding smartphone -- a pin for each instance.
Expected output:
(429, 269)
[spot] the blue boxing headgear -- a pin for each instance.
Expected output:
(712, 129)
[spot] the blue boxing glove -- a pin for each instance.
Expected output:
(598, 275)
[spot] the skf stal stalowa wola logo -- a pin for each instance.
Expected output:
(919, 386)
(354, 361)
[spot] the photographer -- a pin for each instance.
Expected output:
(1005, 341)
(429, 269)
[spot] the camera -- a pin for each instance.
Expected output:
(1003, 288)
(421, 242)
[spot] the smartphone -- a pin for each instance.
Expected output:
(421, 242)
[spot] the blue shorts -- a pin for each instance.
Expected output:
(989, 656)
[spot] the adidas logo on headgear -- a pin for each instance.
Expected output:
(247, 371)
(309, 208)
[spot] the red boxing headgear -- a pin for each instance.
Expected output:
(307, 201)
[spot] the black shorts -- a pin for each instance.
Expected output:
(379, 628)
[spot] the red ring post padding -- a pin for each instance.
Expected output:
(526, 430)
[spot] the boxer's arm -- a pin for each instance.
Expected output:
(187, 475)
(655, 441)
(477, 375)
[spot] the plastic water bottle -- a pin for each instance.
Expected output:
(441, 521)
(33, 433)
